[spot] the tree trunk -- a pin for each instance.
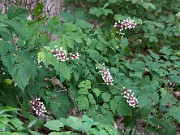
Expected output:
(51, 8)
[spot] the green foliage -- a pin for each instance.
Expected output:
(84, 125)
(145, 60)
(8, 122)
(14, 54)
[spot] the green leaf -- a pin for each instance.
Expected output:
(163, 92)
(34, 132)
(175, 112)
(96, 92)
(123, 108)
(168, 99)
(20, 66)
(12, 13)
(91, 99)
(8, 81)
(54, 125)
(23, 71)
(174, 58)
(107, 11)
(63, 133)
(106, 97)
(83, 24)
(96, 11)
(20, 29)
(67, 17)
(61, 67)
(17, 124)
(69, 28)
(6, 133)
(113, 105)
(5, 34)
(137, 74)
(32, 123)
(178, 14)
(82, 124)
(60, 105)
(41, 56)
(154, 55)
(83, 102)
(166, 50)
(124, 43)
(77, 38)
(148, 5)
(118, 17)
(85, 84)
(38, 10)
(83, 91)
(144, 101)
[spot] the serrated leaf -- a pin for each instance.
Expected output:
(62, 69)
(174, 58)
(88, 41)
(113, 105)
(136, 74)
(106, 97)
(124, 43)
(83, 24)
(5, 34)
(83, 91)
(54, 125)
(20, 29)
(83, 102)
(31, 123)
(154, 55)
(17, 124)
(144, 101)
(38, 10)
(148, 5)
(77, 38)
(63, 133)
(61, 104)
(23, 71)
(96, 11)
(34, 132)
(82, 124)
(123, 108)
(96, 92)
(168, 99)
(76, 75)
(175, 112)
(107, 11)
(118, 17)
(70, 28)
(67, 17)
(91, 99)
(12, 13)
(85, 84)
(41, 56)
(166, 50)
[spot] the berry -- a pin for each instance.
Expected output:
(125, 24)
(130, 98)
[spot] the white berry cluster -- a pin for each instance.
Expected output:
(125, 24)
(38, 107)
(106, 76)
(61, 54)
(74, 56)
(130, 98)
